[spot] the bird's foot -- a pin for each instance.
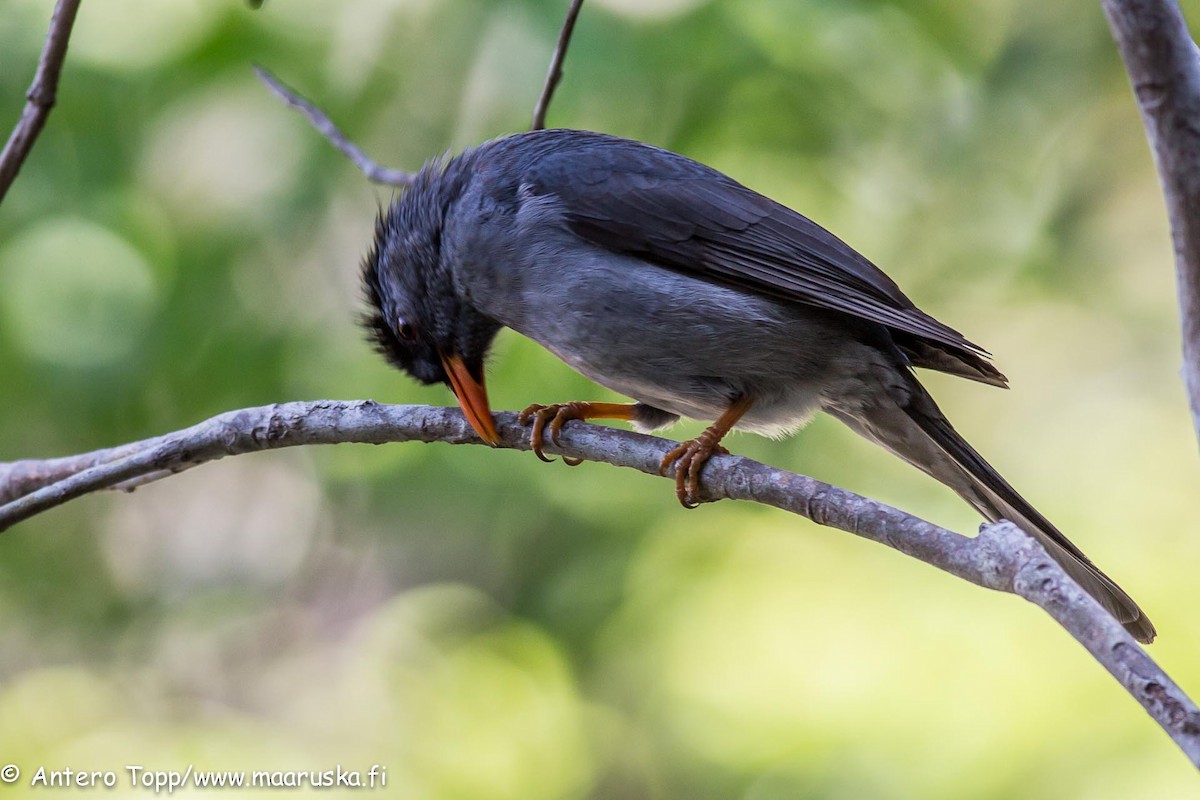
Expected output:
(558, 414)
(689, 458)
(555, 415)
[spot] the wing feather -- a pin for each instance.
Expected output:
(669, 210)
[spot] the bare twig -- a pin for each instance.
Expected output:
(395, 177)
(19, 478)
(1002, 557)
(1164, 68)
(554, 75)
(324, 125)
(41, 95)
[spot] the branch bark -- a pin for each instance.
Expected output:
(1002, 557)
(42, 94)
(1164, 68)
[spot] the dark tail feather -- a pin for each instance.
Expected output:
(918, 432)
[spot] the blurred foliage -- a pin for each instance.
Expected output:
(180, 244)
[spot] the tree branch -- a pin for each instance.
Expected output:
(555, 73)
(395, 177)
(1002, 557)
(1164, 68)
(325, 126)
(41, 95)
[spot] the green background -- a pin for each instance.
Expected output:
(487, 626)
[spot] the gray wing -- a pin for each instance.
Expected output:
(669, 210)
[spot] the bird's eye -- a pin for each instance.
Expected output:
(406, 331)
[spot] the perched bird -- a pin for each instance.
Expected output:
(671, 283)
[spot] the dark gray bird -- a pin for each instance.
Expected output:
(669, 282)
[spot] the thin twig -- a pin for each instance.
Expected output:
(394, 177)
(325, 126)
(41, 95)
(1164, 68)
(554, 75)
(1002, 557)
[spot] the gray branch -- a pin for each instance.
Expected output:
(1002, 557)
(1163, 67)
(326, 127)
(41, 96)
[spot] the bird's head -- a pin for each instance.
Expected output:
(417, 318)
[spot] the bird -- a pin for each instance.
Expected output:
(668, 282)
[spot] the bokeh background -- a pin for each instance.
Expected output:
(487, 626)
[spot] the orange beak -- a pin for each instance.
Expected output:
(472, 396)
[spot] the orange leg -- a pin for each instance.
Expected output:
(560, 413)
(693, 454)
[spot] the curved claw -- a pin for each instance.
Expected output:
(540, 415)
(536, 443)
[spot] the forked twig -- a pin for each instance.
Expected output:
(395, 177)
